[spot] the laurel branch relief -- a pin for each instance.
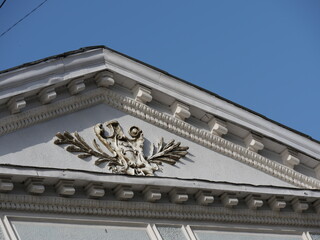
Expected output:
(127, 155)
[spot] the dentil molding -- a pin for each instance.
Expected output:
(163, 120)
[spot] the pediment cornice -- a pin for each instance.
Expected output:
(28, 80)
(170, 123)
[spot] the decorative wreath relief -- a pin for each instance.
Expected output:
(127, 153)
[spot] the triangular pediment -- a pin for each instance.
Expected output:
(221, 147)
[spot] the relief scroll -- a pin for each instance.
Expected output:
(127, 155)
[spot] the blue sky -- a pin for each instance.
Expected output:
(264, 55)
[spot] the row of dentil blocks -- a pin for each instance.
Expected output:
(66, 188)
(143, 95)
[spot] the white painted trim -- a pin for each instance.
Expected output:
(306, 236)
(10, 229)
(13, 233)
(53, 175)
(163, 120)
(170, 224)
(207, 102)
(156, 232)
(4, 230)
(151, 233)
(59, 71)
(185, 232)
(251, 229)
(190, 233)
(52, 72)
(167, 211)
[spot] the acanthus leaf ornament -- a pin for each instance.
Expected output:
(127, 153)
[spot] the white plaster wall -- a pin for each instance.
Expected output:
(33, 147)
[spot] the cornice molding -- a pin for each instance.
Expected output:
(163, 120)
(50, 176)
(208, 102)
(59, 205)
(57, 72)
(30, 79)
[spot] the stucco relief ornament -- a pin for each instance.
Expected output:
(127, 155)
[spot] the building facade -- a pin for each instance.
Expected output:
(97, 145)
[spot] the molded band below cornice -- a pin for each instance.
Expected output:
(59, 205)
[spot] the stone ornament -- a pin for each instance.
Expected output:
(127, 153)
